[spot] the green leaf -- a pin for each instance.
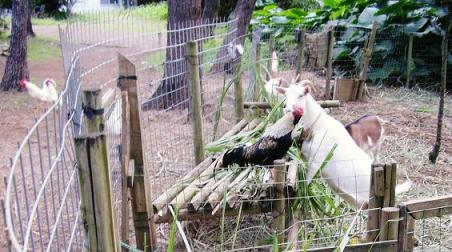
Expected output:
(340, 53)
(369, 15)
(384, 46)
(331, 3)
(416, 25)
(279, 20)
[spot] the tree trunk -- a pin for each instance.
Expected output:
(173, 90)
(243, 11)
(16, 64)
(433, 155)
(30, 31)
(210, 9)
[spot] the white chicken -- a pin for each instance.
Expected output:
(47, 92)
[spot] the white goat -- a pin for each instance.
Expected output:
(348, 171)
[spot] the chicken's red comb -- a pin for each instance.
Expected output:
(23, 82)
(298, 111)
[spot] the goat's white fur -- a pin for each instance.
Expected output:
(349, 170)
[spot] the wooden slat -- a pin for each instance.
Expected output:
(127, 170)
(383, 246)
(141, 192)
(430, 207)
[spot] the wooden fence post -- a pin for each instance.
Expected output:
(409, 61)
(92, 106)
(362, 88)
(329, 70)
(279, 212)
(195, 84)
(271, 48)
(238, 93)
(388, 223)
(91, 152)
(300, 61)
(141, 193)
(125, 156)
(376, 193)
(405, 238)
(90, 102)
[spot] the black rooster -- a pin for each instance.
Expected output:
(273, 145)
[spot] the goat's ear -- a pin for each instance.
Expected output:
(307, 89)
(281, 90)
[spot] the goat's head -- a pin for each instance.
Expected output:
(296, 95)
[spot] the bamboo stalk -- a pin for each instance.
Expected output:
(169, 195)
(242, 177)
(236, 128)
(199, 199)
(217, 195)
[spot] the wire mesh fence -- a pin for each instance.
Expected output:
(42, 191)
(43, 195)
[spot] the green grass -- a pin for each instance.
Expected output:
(39, 48)
(49, 21)
(42, 48)
(154, 12)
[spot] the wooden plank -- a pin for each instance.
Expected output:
(86, 202)
(126, 173)
(127, 81)
(300, 57)
(92, 101)
(383, 246)
(329, 69)
(379, 175)
(195, 84)
(393, 184)
(430, 207)
(375, 202)
(92, 152)
(409, 61)
(266, 105)
(279, 212)
(406, 230)
(389, 223)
